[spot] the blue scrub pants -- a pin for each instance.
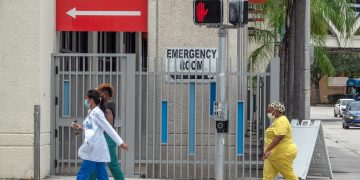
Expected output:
(88, 166)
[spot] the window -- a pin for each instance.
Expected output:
(73, 42)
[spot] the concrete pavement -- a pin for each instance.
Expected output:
(343, 144)
(323, 113)
(73, 177)
(344, 150)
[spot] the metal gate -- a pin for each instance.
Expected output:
(165, 116)
(74, 75)
(175, 136)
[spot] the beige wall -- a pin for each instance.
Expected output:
(47, 46)
(27, 36)
(26, 42)
(326, 90)
(172, 27)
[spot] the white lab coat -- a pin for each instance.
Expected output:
(94, 147)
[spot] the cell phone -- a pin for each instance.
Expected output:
(76, 131)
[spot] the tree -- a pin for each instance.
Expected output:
(342, 64)
(345, 63)
(322, 66)
(287, 16)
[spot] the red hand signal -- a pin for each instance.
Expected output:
(201, 12)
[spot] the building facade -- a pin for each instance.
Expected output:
(28, 39)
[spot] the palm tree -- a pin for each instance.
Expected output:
(283, 27)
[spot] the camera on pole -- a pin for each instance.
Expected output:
(238, 12)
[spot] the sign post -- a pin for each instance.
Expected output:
(210, 13)
(221, 126)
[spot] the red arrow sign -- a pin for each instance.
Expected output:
(101, 15)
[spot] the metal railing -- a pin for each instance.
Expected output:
(171, 133)
(74, 75)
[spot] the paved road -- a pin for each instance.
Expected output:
(343, 144)
(323, 113)
(344, 150)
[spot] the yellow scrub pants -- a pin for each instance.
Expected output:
(283, 166)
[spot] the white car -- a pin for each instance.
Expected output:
(341, 104)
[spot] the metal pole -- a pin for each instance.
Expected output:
(306, 87)
(37, 142)
(222, 69)
(130, 114)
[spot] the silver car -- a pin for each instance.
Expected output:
(340, 105)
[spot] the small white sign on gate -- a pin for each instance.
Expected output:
(190, 64)
(220, 111)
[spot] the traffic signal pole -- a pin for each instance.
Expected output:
(222, 89)
(210, 13)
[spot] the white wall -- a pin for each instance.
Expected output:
(26, 36)
(47, 46)
(19, 70)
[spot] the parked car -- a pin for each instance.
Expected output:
(351, 115)
(341, 104)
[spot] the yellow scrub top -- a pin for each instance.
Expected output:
(280, 126)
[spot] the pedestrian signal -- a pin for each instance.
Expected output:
(208, 12)
(238, 12)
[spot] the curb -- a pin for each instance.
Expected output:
(328, 120)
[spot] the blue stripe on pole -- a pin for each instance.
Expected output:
(192, 122)
(240, 129)
(164, 120)
(212, 97)
(66, 98)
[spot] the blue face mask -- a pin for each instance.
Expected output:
(86, 103)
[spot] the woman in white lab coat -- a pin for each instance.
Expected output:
(94, 150)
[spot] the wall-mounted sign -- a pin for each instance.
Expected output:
(190, 64)
(102, 15)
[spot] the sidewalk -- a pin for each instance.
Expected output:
(73, 177)
(344, 155)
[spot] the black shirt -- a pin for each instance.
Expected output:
(111, 106)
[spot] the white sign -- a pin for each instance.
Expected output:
(190, 64)
(220, 111)
(312, 158)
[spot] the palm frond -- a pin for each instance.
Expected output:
(264, 52)
(261, 35)
(323, 61)
(339, 12)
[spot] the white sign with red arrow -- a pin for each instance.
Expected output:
(102, 15)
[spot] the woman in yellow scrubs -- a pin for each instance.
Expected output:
(280, 150)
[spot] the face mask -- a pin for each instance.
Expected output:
(271, 116)
(86, 103)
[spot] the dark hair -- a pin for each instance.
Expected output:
(106, 88)
(93, 94)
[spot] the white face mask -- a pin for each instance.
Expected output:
(271, 116)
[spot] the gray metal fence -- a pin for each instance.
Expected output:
(165, 114)
(175, 133)
(74, 75)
